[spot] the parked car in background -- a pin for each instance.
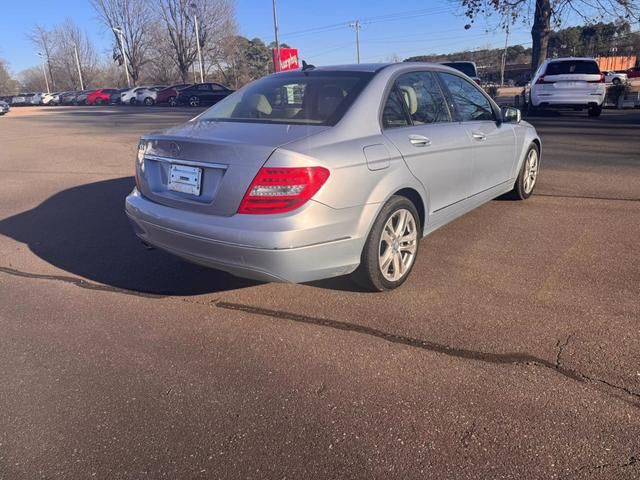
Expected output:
(202, 94)
(114, 98)
(36, 98)
(616, 78)
(262, 184)
(572, 83)
(128, 97)
(4, 107)
(81, 98)
(466, 67)
(50, 98)
(68, 98)
(168, 95)
(101, 96)
(633, 72)
(147, 96)
(20, 99)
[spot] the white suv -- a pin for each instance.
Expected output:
(574, 83)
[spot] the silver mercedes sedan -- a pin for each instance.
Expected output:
(322, 172)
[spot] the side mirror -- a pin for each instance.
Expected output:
(511, 115)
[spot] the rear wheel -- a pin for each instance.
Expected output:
(616, 81)
(194, 101)
(391, 248)
(99, 101)
(132, 101)
(148, 101)
(172, 101)
(595, 111)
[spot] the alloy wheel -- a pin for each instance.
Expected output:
(194, 101)
(530, 170)
(398, 245)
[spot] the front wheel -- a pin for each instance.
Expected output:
(528, 175)
(391, 248)
(132, 101)
(172, 101)
(616, 81)
(148, 101)
(194, 101)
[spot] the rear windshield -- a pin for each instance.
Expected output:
(301, 98)
(469, 69)
(584, 67)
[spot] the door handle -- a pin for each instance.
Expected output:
(419, 140)
(479, 136)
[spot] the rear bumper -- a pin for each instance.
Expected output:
(567, 100)
(317, 242)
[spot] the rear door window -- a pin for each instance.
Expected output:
(568, 67)
(423, 98)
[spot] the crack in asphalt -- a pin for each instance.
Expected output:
(512, 358)
(561, 347)
(78, 282)
(633, 460)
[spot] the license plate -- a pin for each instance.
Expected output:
(185, 179)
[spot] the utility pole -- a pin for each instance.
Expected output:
(195, 20)
(357, 26)
(75, 49)
(120, 33)
(504, 58)
(276, 65)
(44, 72)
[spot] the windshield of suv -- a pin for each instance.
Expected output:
(301, 98)
(467, 68)
(578, 67)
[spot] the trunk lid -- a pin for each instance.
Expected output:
(225, 155)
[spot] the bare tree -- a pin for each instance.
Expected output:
(215, 21)
(7, 84)
(68, 39)
(44, 40)
(32, 80)
(134, 18)
(546, 12)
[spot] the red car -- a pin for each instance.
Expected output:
(633, 72)
(169, 94)
(101, 96)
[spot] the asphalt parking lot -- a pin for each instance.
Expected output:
(511, 353)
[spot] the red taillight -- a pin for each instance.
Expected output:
(601, 80)
(540, 80)
(282, 189)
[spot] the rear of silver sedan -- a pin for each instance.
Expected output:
(234, 195)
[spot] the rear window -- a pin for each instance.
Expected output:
(301, 98)
(568, 67)
(468, 68)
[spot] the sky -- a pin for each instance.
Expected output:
(319, 29)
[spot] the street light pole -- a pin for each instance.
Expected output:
(504, 58)
(357, 26)
(44, 72)
(276, 65)
(75, 49)
(120, 33)
(195, 20)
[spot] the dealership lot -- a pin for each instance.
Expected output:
(511, 352)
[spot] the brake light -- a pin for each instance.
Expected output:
(601, 80)
(541, 80)
(282, 189)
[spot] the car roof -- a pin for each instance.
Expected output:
(568, 59)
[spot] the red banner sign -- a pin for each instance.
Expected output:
(288, 59)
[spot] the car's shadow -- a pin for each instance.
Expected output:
(84, 231)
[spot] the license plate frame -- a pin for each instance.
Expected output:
(185, 179)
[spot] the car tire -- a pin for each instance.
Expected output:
(616, 81)
(172, 101)
(594, 111)
(99, 101)
(194, 101)
(148, 101)
(523, 188)
(132, 101)
(386, 260)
